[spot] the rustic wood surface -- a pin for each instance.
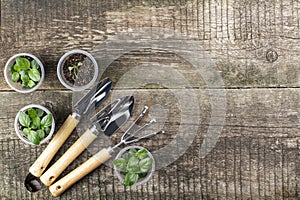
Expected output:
(255, 45)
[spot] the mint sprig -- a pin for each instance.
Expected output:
(25, 72)
(134, 164)
(36, 124)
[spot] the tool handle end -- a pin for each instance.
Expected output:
(68, 157)
(88, 166)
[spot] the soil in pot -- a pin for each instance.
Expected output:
(78, 69)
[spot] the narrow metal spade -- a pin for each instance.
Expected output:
(107, 121)
(84, 106)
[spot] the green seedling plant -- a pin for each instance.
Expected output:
(74, 69)
(25, 72)
(134, 165)
(36, 124)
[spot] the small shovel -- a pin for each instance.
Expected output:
(107, 121)
(99, 158)
(84, 107)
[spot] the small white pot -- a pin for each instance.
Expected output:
(63, 80)
(20, 133)
(17, 86)
(141, 180)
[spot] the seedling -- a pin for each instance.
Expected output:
(25, 72)
(74, 69)
(35, 124)
(133, 164)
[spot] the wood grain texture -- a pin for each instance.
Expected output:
(256, 155)
(241, 167)
(254, 45)
(252, 108)
(238, 35)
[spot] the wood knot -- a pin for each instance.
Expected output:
(271, 55)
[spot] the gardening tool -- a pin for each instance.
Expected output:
(99, 158)
(107, 121)
(83, 107)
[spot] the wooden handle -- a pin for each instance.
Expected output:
(69, 156)
(88, 166)
(60, 137)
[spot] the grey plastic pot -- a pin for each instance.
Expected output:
(20, 133)
(141, 180)
(63, 80)
(17, 86)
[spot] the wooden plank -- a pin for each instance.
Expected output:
(257, 110)
(238, 167)
(240, 54)
(257, 155)
(252, 159)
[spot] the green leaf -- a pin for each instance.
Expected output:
(79, 64)
(11, 69)
(142, 153)
(132, 152)
(23, 72)
(33, 126)
(126, 156)
(41, 134)
(123, 172)
(15, 77)
(22, 63)
(35, 64)
(47, 121)
(39, 112)
(129, 153)
(24, 84)
(24, 119)
(70, 68)
(33, 137)
(30, 84)
(47, 130)
(133, 165)
(25, 78)
(34, 74)
(143, 174)
(26, 131)
(130, 179)
(16, 68)
(145, 164)
(36, 121)
(31, 112)
(119, 163)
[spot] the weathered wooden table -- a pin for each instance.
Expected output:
(255, 45)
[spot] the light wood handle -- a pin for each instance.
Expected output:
(88, 166)
(59, 138)
(69, 156)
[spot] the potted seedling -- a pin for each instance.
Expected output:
(134, 165)
(34, 124)
(24, 72)
(77, 70)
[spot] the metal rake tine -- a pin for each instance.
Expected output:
(145, 136)
(140, 129)
(138, 119)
